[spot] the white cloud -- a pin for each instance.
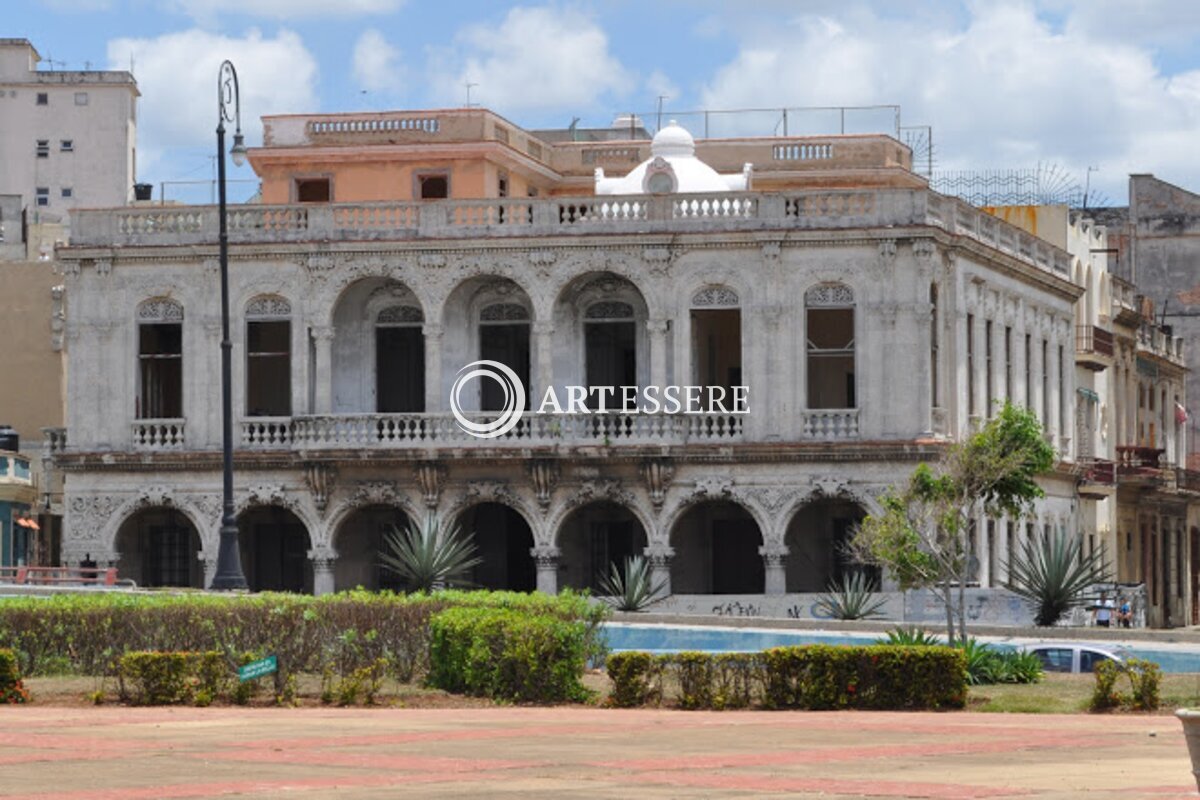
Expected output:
(659, 85)
(177, 76)
(377, 65)
(285, 9)
(1002, 87)
(537, 59)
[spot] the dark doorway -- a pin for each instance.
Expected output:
(400, 369)
(507, 343)
(503, 540)
(611, 355)
(717, 350)
(716, 551)
(274, 547)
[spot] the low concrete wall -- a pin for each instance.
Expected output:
(984, 607)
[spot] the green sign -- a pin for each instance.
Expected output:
(256, 669)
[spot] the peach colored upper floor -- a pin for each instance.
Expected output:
(387, 156)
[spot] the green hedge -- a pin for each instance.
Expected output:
(157, 679)
(507, 654)
(12, 689)
(813, 677)
(339, 633)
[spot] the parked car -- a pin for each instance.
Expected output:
(1072, 656)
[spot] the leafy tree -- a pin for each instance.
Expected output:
(922, 534)
(1054, 575)
(427, 560)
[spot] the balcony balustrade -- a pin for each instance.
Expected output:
(158, 434)
(335, 431)
(830, 424)
(1093, 347)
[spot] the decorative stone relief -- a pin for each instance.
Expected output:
(430, 475)
(269, 306)
(772, 498)
(431, 260)
(545, 556)
(58, 317)
(543, 474)
(715, 296)
(713, 488)
(393, 315)
(592, 491)
(657, 472)
(212, 266)
(829, 294)
(160, 309)
(924, 248)
(609, 309)
(771, 251)
(320, 480)
(502, 312)
(103, 266)
(827, 486)
(378, 493)
(542, 258)
(319, 265)
(155, 496)
(887, 251)
(89, 515)
(69, 269)
(267, 495)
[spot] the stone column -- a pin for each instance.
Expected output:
(924, 321)
(433, 367)
(1019, 390)
(979, 342)
(775, 566)
(1052, 371)
(656, 329)
(1035, 370)
(543, 349)
(983, 551)
(659, 558)
(322, 567)
(210, 567)
(999, 387)
(546, 558)
(323, 369)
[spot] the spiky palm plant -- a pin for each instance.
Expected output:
(854, 597)
(427, 560)
(632, 589)
(911, 636)
(1054, 575)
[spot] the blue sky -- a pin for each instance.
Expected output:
(1106, 84)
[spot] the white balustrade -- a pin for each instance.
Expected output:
(260, 432)
(829, 424)
(158, 434)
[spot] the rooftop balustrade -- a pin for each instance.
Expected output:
(562, 216)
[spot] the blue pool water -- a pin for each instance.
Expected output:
(675, 638)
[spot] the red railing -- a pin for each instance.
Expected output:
(59, 576)
(1099, 471)
(1133, 461)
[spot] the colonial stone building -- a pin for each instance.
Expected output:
(872, 319)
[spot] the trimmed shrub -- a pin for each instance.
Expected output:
(636, 679)
(811, 677)
(12, 689)
(507, 654)
(345, 632)
(1144, 678)
(172, 678)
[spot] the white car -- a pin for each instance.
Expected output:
(1072, 656)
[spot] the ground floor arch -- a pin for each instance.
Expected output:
(503, 541)
(716, 551)
(817, 539)
(160, 546)
(359, 540)
(274, 548)
(595, 537)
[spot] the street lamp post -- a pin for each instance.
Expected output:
(229, 560)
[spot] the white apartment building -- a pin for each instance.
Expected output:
(68, 138)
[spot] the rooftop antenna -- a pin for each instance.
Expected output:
(1087, 185)
(574, 124)
(469, 84)
(661, 98)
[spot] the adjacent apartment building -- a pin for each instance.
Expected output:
(871, 320)
(69, 136)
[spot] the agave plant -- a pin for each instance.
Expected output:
(427, 560)
(910, 637)
(632, 589)
(1054, 575)
(854, 597)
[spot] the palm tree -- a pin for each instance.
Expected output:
(426, 560)
(631, 590)
(1052, 573)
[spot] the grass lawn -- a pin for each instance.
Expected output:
(1069, 694)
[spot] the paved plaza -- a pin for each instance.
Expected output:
(111, 752)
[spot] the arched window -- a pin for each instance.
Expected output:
(268, 357)
(504, 337)
(610, 344)
(716, 319)
(400, 360)
(160, 359)
(829, 328)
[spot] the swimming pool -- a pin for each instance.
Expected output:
(654, 638)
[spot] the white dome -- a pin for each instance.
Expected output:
(673, 140)
(673, 152)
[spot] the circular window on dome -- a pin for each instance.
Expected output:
(660, 183)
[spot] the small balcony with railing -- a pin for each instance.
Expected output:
(1093, 347)
(1097, 478)
(1139, 465)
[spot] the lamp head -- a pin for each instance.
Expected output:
(238, 151)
